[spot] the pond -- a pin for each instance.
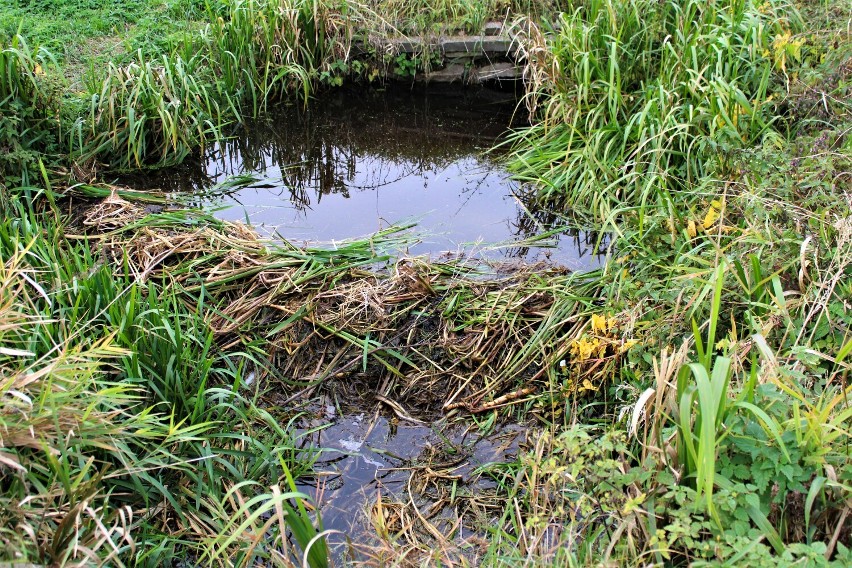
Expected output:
(353, 162)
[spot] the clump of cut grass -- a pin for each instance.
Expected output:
(195, 305)
(477, 342)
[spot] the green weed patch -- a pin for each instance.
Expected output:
(691, 397)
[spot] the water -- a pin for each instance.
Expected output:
(346, 166)
(357, 161)
(369, 457)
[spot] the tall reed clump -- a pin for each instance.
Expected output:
(158, 111)
(150, 112)
(124, 436)
(27, 105)
(264, 49)
(634, 97)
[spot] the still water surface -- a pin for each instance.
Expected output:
(357, 161)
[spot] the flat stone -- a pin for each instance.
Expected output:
(449, 74)
(497, 72)
(409, 45)
(458, 73)
(461, 55)
(459, 52)
(478, 45)
(501, 45)
(492, 28)
(467, 45)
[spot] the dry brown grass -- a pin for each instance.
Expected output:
(429, 335)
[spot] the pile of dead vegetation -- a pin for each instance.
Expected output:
(430, 335)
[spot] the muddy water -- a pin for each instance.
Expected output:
(356, 161)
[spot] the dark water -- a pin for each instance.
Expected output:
(369, 457)
(357, 161)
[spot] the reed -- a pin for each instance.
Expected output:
(121, 412)
(27, 107)
(634, 98)
(264, 49)
(157, 111)
(148, 111)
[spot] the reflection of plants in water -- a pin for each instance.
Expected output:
(534, 220)
(304, 154)
(318, 150)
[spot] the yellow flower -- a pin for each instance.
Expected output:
(584, 348)
(691, 229)
(784, 47)
(602, 325)
(599, 324)
(710, 218)
(713, 214)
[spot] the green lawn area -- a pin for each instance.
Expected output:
(82, 33)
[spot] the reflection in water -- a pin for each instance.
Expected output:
(367, 459)
(357, 161)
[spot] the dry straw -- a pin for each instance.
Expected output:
(428, 335)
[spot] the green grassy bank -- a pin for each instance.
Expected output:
(691, 398)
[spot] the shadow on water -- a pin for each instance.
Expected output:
(356, 161)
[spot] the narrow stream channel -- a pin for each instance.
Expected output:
(347, 165)
(374, 469)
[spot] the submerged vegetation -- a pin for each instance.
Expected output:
(690, 399)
